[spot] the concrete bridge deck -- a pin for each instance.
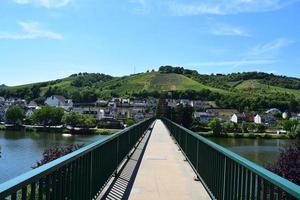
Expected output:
(163, 173)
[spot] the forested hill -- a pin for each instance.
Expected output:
(230, 80)
(249, 90)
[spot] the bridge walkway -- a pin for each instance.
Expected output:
(163, 173)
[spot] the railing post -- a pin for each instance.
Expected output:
(197, 158)
(117, 158)
(91, 176)
(224, 178)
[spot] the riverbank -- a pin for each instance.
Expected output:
(247, 135)
(59, 129)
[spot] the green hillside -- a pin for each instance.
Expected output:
(155, 81)
(254, 86)
(249, 90)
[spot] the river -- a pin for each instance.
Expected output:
(21, 150)
(260, 151)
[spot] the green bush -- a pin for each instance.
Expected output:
(104, 132)
(295, 132)
(2, 127)
(215, 126)
(129, 122)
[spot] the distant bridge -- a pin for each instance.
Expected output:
(154, 159)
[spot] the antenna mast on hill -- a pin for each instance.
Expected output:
(134, 70)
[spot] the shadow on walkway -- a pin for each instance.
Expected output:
(121, 185)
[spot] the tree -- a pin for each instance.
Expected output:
(295, 131)
(162, 107)
(229, 127)
(260, 128)
(129, 122)
(55, 153)
(48, 116)
(186, 115)
(293, 105)
(15, 115)
(35, 90)
(216, 126)
(88, 121)
(288, 164)
(289, 124)
(244, 127)
(72, 119)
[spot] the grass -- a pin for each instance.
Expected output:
(255, 86)
(154, 81)
(247, 135)
(104, 132)
(159, 82)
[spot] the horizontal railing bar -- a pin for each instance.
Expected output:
(16, 183)
(282, 183)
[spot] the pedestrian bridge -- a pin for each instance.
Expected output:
(154, 159)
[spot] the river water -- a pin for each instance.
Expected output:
(20, 151)
(260, 151)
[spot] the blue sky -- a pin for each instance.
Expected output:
(48, 39)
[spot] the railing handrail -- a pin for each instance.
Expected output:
(46, 169)
(282, 183)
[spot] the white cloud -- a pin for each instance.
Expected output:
(31, 30)
(226, 7)
(142, 6)
(45, 3)
(269, 49)
(229, 30)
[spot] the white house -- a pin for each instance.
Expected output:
(235, 118)
(258, 119)
(59, 101)
(264, 119)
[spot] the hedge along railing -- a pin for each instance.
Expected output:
(81, 174)
(226, 175)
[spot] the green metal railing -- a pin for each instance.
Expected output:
(79, 175)
(226, 175)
